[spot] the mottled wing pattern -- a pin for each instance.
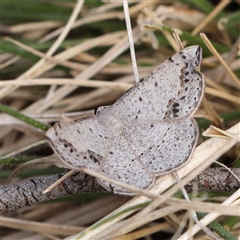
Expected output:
(122, 163)
(80, 143)
(191, 92)
(173, 90)
(162, 146)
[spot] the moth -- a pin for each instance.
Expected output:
(148, 132)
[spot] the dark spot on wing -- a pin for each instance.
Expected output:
(92, 157)
(175, 110)
(170, 59)
(140, 99)
(182, 98)
(175, 105)
(155, 84)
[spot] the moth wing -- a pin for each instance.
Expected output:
(173, 90)
(122, 164)
(79, 143)
(162, 146)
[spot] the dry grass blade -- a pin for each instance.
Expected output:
(213, 50)
(130, 38)
(223, 95)
(210, 217)
(39, 227)
(216, 10)
(143, 232)
(82, 83)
